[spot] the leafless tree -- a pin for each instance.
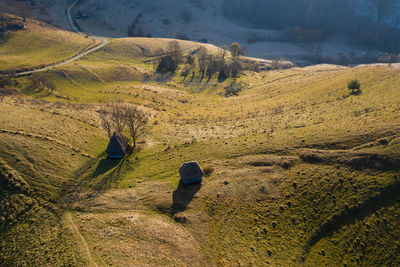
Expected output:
(202, 59)
(117, 111)
(175, 51)
(106, 122)
(212, 66)
(236, 67)
(222, 51)
(277, 64)
(235, 49)
(191, 64)
(11, 74)
(136, 120)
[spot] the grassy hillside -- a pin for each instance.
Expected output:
(303, 172)
(39, 45)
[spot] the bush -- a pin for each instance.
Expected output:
(40, 82)
(208, 171)
(167, 64)
(233, 90)
(354, 86)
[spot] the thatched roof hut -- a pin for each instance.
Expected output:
(191, 173)
(117, 146)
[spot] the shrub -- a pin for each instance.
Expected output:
(354, 86)
(233, 90)
(40, 82)
(208, 170)
(167, 64)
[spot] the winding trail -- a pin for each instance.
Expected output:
(82, 241)
(104, 42)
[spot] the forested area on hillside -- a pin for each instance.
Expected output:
(318, 19)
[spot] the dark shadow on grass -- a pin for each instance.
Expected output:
(110, 178)
(105, 165)
(222, 78)
(182, 197)
(98, 174)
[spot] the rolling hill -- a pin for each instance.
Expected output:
(300, 171)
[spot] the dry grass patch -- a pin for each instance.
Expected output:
(138, 238)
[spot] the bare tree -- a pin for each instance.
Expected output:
(117, 113)
(202, 59)
(222, 51)
(116, 116)
(235, 49)
(175, 51)
(191, 63)
(106, 122)
(11, 74)
(277, 64)
(136, 120)
(236, 67)
(212, 66)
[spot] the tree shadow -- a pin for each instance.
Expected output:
(182, 197)
(113, 177)
(222, 77)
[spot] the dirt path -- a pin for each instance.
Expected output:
(82, 241)
(104, 42)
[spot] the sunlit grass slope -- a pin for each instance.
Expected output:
(304, 172)
(39, 45)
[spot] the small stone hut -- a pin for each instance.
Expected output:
(117, 146)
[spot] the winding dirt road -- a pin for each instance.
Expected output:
(104, 42)
(82, 241)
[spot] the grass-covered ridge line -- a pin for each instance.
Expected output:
(39, 45)
(291, 152)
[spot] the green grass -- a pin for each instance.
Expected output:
(244, 213)
(39, 45)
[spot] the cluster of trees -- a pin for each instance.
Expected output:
(39, 82)
(118, 116)
(310, 20)
(207, 64)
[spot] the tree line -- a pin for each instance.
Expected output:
(207, 64)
